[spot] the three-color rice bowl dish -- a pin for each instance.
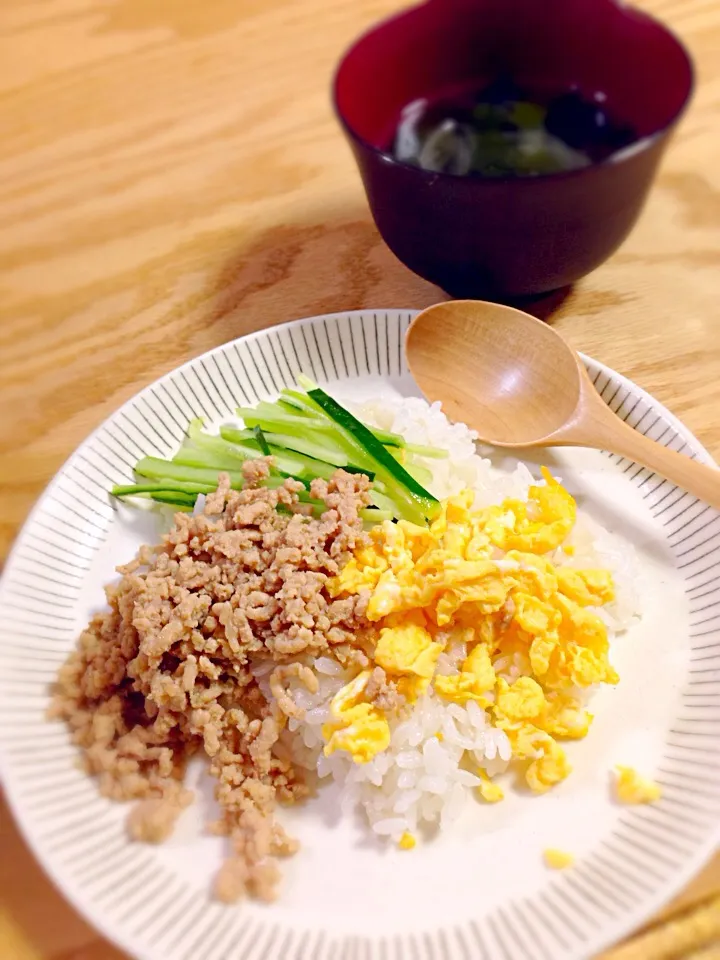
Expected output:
(352, 597)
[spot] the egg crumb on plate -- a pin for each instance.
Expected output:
(558, 859)
(407, 841)
(632, 788)
(489, 791)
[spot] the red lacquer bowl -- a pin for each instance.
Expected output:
(508, 238)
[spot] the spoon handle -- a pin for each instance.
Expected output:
(611, 433)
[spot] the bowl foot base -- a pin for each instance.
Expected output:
(541, 305)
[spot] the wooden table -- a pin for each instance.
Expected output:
(171, 176)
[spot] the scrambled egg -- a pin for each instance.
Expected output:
(482, 578)
(405, 649)
(633, 788)
(357, 727)
(475, 679)
(489, 791)
(558, 859)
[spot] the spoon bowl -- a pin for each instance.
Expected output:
(516, 382)
(518, 377)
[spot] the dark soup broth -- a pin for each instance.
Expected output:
(503, 130)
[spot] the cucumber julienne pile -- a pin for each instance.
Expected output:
(309, 435)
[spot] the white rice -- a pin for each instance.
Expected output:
(422, 779)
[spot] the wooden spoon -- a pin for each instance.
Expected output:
(516, 382)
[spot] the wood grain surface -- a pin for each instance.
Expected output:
(172, 176)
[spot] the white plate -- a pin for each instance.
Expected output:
(478, 891)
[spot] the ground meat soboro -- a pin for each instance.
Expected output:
(167, 670)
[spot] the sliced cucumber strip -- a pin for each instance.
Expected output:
(278, 420)
(315, 450)
(240, 449)
(381, 501)
(184, 501)
(385, 437)
(191, 456)
(300, 403)
(419, 472)
(166, 485)
(285, 461)
(157, 469)
(376, 516)
(301, 459)
(262, 442)
(288, 406)
(180, 501)
(414, 501)
(434, 453)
